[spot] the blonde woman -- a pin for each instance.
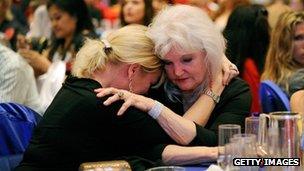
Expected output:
(78, 128)
(286, 50)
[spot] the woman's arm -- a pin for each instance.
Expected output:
(178, 128)
(201, 110)
(178, 155)
(39, 62)
(297, 101)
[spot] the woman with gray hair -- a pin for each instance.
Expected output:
(192, 50)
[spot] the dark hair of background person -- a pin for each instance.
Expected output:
(248, 35)
(149, 13)
(79, 10)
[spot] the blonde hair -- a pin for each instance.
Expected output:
(127, 45)
(279, 64)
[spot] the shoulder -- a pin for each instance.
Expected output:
(236, 88)
(237, 85)
(10, 61)
(296, 101)
(236, 99)
(296, 81)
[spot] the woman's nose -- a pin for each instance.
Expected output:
(178, 70)
(53, 23)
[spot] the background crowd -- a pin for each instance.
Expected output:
(44, 32)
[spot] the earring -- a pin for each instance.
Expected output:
(130, 85)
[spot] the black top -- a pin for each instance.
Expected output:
(233, 108)
(77, 128)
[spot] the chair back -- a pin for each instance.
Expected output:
(9, 162)
(16, 126)
(273, 98)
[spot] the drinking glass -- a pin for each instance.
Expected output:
(252, 125)
(230, 153)
(225, 132)
(246, 145)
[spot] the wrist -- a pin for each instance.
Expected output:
(156, 110)
(215, 97)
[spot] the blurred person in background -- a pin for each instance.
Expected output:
(21, 12)
(158, 5)
(136, 12)
(94, 12)
(248, 34)
(17, 79)
(224, 11)
(275, 9)
(9, 26)
(286, 50)
(70, 24)
(41, 24)
(209, 6)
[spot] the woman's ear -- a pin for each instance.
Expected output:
(133, 68)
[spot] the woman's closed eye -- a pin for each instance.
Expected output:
(186, 60)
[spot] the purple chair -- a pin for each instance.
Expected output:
(273, 98)
(16, 126)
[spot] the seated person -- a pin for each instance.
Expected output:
(9, 25)
(284, 55)
(78, 128)
(191, 55)
(71, 23)
(17, 80)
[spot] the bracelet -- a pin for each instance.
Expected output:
(215, 98)
(155, 111)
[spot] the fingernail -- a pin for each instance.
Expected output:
(105, 103)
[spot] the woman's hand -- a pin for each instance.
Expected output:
(179, 129)
(39, 62)
(229, 71)
(30, 55)
(142, 103)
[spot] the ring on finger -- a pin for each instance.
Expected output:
(120, 95)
